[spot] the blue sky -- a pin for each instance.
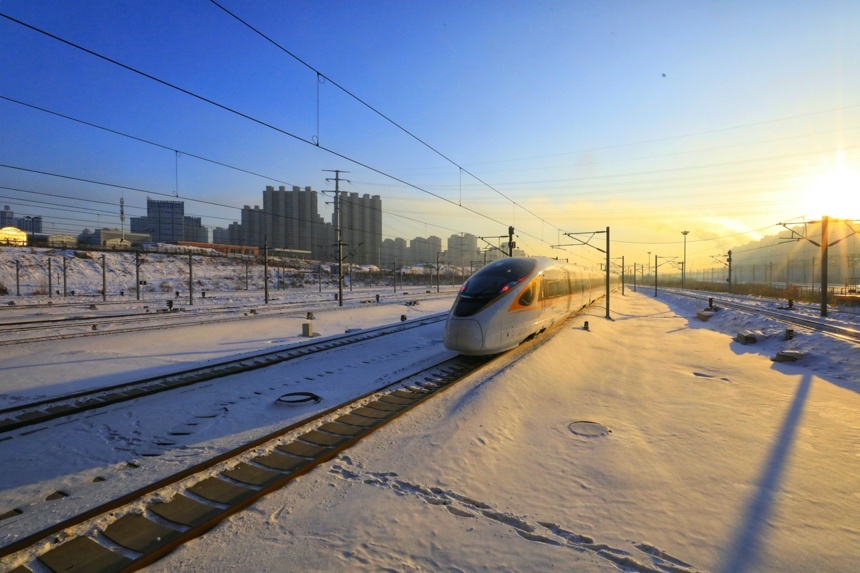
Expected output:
(722, 118)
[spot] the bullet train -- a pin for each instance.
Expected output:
(512, 299)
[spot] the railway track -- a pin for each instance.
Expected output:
(136, 529)
(42, 411)
(842, 332)
(27, 331)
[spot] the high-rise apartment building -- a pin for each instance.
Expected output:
(289, 220)
(292, 220)
(462, 250)
(7, 217)
(393, 252)
(361, 224)
(424, 250)
(164, 221)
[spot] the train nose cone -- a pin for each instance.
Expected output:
(463, 335)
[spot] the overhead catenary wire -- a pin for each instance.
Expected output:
(166, 147)
(244, 116)
(304, 140)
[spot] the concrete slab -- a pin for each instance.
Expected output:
(372, 413)
(252, 475)
(397, 400)
(220, 491)
(746, 337)
(788, 356)
(358, 421)
(185, 511)
(409, 395)
(302, 450)
(342, 429)
(321, 439)
(387, 407)
(281, 462)
(84, 554)
(139, 534)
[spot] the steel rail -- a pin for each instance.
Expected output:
(842, 332)
(318, 439)
(70, 404)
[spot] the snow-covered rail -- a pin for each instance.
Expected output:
(138, 528)
(842, 332)
(44, 410)
(25, 331)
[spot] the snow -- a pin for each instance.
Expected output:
(713, 458)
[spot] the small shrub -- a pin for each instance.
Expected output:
(3, 289)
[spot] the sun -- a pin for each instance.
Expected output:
(835, 194)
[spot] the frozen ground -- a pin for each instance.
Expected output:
(651, 442)
(713, 458)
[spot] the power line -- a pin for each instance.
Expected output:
(377, 112)
(140, 139)
(242, 115)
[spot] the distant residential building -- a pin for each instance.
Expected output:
(292, 221)
(393, 251)
(31, 225)
(194, 231)
(361, 223)
(7, 217)
(113, 237)
(462, 249)
(164, 221)
(232, 235)
(424, 250)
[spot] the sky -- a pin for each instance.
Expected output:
(722, 119)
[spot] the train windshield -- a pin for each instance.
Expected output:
(490, 282)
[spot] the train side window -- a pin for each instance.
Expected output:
(528, 295)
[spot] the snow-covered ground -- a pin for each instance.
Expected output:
(649, 442)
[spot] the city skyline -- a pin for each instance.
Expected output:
(652, 119)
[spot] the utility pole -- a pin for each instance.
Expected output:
(824, 245)
(104, 279)
(190, 279)
(266, 269)
(684, 268)
(730, 271)
(437, 270)
(337, 214)
(825, 224)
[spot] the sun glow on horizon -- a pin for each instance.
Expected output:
(835, 194)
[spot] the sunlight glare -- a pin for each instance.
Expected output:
(836, 194)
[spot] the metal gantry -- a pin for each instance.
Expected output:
(588, 244)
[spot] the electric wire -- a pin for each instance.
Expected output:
(304, 140)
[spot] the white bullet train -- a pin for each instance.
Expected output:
(512, 299)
